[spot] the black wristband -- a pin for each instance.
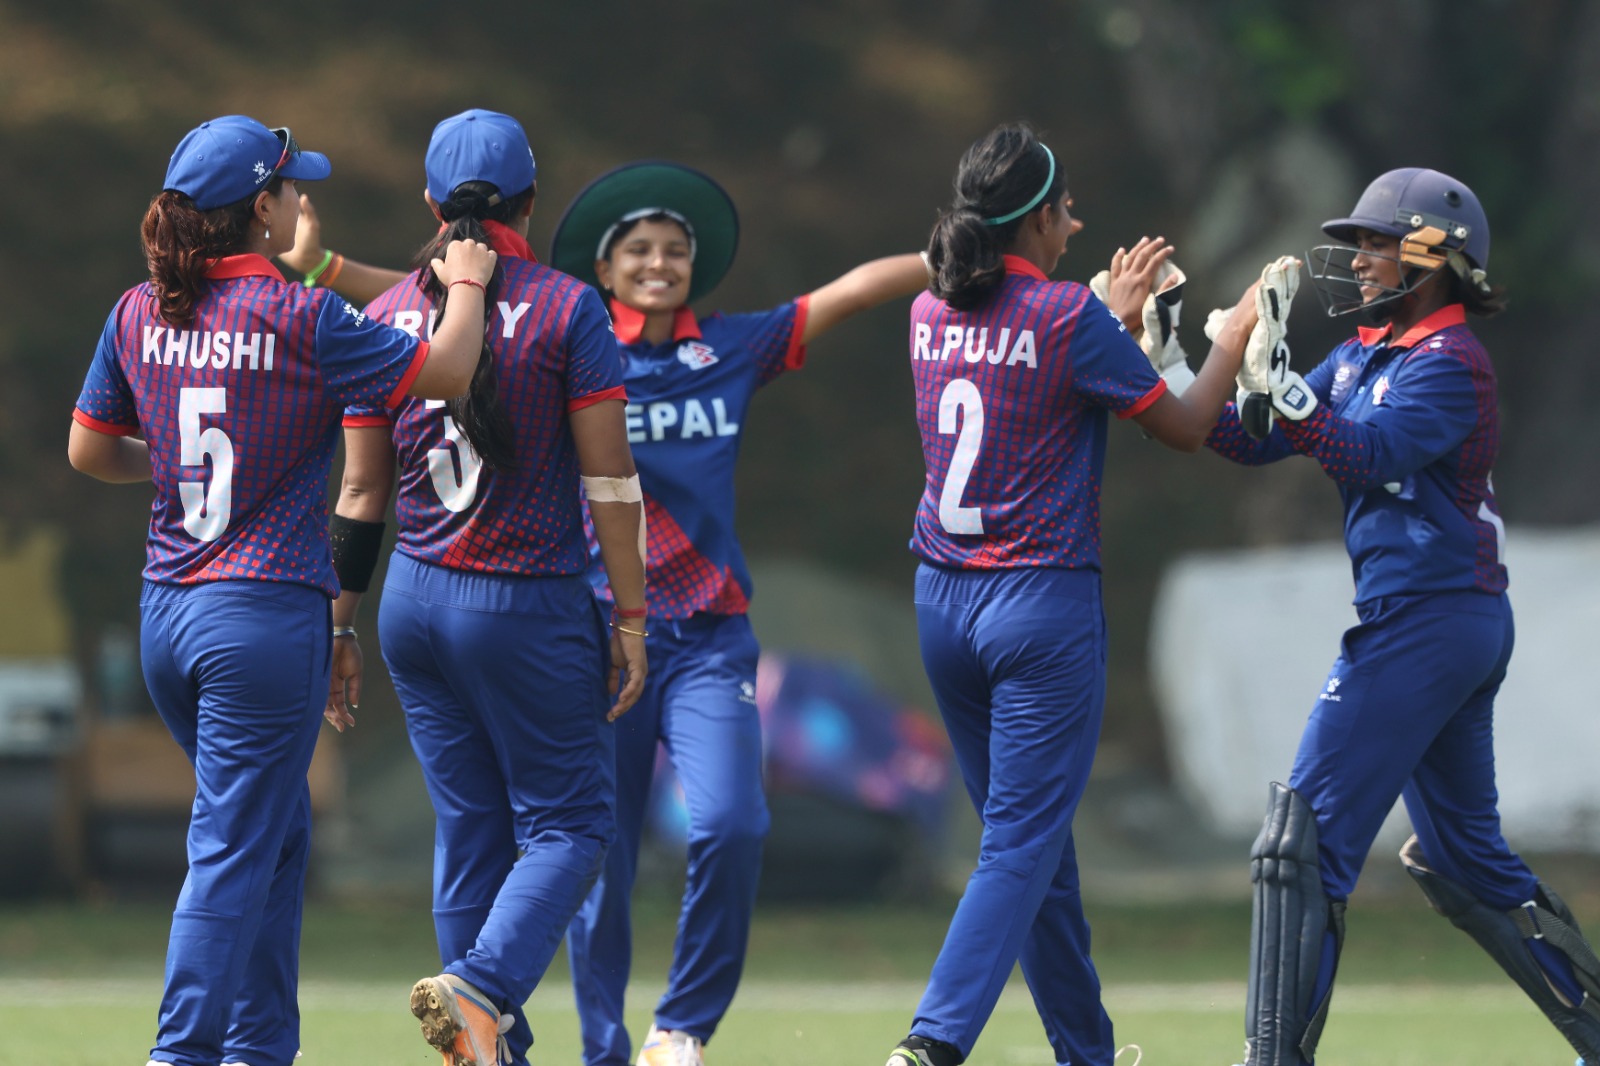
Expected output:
(355, 547)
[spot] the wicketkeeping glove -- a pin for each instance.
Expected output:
(1264, 375)
(1160, 313)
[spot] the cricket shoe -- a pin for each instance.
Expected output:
(671, 1047)
(459, 1022)
(920, 1051)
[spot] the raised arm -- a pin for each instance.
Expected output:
(865, 287)
(611, 484)
(457, 341)
(356, 532)
(1184, 422)
(357, 282)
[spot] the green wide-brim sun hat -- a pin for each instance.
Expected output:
(650, 183)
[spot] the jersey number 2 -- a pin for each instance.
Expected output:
(960, 395)
(206, 510)
(455, 492)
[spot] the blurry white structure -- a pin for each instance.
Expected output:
(1241, 644)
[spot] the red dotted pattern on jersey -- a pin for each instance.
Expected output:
(526, 519)
(1037, 472)
(282, 423)
(677, 575)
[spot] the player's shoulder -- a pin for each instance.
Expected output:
(532, 276)
(1458, 344)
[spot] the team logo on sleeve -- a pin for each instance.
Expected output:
(359, 316)
(696, 355)
(1380, 390)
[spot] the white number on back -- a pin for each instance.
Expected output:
(960, 395)
(456, 493)
(205, 510)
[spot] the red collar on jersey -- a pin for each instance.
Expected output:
(249, 265)
(507, 241)
(629, 324)
(1448, 315)
(1015, 264)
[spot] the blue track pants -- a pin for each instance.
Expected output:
(1017, 662)
(238, 671)
(699, 701)
(503, 684)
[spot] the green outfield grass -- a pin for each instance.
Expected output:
(823, 986)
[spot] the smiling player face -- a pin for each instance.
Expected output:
(1376, 264)
(649, 267)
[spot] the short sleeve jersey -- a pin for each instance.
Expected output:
(240, 408)
(687, 402)
(1408, 429)
(554, 353)
(1012, 400)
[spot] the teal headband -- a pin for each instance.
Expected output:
(1033, 203)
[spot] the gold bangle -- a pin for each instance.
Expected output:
(631, 632)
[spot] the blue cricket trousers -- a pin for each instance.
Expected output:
(699, 701)
(238, 671)
(1408, 710)
(503, 683)
(1017, 659)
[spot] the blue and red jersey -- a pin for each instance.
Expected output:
(687, 402)
(554, 354)
(240, 408)
(1409, 430)
(1012, 400)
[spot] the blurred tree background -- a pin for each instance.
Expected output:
(1233, 128)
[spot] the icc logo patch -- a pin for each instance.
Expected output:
(1380, 390)
(695, 355)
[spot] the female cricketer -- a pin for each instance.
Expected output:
(1403, 417)
(656, 236)
(1014, 377)
(224, 385)
(497, 646)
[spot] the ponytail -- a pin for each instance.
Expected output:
(180, 242)
(478, 412)
(1002, 180)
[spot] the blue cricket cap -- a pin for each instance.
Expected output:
(233, 157)
(479, 145)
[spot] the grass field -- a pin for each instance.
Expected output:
(823, 986)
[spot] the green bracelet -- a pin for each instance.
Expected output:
(311, 278)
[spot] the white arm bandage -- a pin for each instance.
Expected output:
(620, 490)
(612, 489)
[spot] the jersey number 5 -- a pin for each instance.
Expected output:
(205, 510)
(455, 492)
(960, 395)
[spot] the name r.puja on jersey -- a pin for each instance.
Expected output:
(165, 346)
(973, 344)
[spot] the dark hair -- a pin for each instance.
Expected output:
(625, 228)
(997, 175)
(1484, 302)
(478, 412)
(180, 239)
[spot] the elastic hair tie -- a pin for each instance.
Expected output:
(1033, 203)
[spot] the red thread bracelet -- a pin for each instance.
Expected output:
(474, 282)
(638, 613)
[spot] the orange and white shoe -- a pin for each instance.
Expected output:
(671, 1047)
(459, 1021)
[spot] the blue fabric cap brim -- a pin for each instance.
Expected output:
(307, 166)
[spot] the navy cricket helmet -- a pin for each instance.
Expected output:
(1438, 220)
